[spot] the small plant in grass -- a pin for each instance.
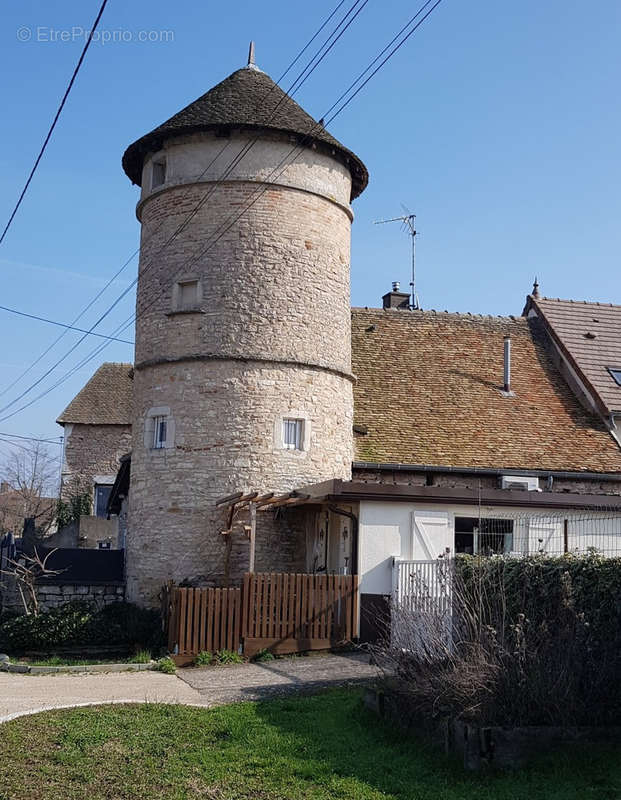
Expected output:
(263, 655)
(166, 665)
(141, 657)
(228, 657)
(203, 659)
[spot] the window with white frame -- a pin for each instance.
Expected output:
(293, 433)
(158, 173)
(159, 432)
(159, 429)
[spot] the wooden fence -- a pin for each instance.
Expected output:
(203, 619)
(289, 613)
(282, 612)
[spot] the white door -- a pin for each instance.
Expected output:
(432, 535)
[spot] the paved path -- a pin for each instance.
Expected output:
(206, 686)
(279, 677)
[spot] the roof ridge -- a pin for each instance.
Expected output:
(578, 302)
(431, 312)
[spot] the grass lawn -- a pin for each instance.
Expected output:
(322, 747)
(62, 661)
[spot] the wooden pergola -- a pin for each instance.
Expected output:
(255, 501)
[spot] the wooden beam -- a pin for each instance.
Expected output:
(271, 500)
(230, 497)
(253, 536)
(264, 498)
(292, 499)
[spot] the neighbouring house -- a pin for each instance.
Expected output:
(97, 432)
(585, 339)
(276, 429)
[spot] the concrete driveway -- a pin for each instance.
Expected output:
(195, 686)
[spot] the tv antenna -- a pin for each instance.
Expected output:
(408, 221)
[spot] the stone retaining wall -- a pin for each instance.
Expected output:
(55, 595)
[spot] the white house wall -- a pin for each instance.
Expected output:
(409, 531)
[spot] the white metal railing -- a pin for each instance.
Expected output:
(424, 585)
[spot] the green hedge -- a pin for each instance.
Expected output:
(80, 624)
(552, 626)
(543, 588)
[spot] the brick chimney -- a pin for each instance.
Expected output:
(5, 487)
(396, 298)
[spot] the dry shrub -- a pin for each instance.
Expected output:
(507, 641)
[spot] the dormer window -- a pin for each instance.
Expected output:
(616, 374)
(158, 173)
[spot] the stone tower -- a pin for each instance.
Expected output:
(242, 367)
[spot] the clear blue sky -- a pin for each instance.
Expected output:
(498, 123)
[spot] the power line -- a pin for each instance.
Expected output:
(31, 438)
(267, 183)
(56, 116)
(203, 200)
(63, 325)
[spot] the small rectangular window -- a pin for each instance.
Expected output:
(616, 374)
(292, 430)
(188, 295)
(158, 173)
(159, 432)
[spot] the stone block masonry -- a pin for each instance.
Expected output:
(54, 595)
(92, 450)
(268, 338)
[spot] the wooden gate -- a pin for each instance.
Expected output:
(282, 612)
(290, 613)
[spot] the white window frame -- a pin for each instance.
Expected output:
(153, 415)
(292, 433)
(160, 425)
(302, 444)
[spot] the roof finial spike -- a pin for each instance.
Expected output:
(536, 289)
(251, 64)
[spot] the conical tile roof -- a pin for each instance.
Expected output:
(246, 100)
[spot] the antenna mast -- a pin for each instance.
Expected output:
(409, 224)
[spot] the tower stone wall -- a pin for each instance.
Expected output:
(269, 337)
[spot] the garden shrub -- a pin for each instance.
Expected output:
(529, 641)
(228, 657)
(203, 659)
(166, 665)
(80, 624)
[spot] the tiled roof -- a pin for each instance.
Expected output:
(590, 335)
(106, 399)
(428, 392)
(247, 99)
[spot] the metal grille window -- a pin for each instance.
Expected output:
(292, 433)
(159, 432)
